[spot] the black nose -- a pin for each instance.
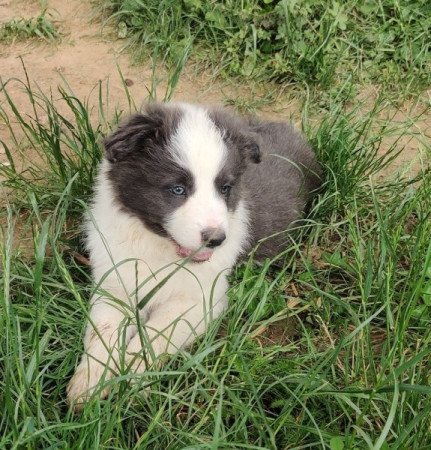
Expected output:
(213, 237)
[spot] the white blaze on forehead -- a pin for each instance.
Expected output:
(198, 146)
(197, 143)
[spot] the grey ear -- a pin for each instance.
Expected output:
(250, 148)
(140, 132)
(129, 137)
(237, 131)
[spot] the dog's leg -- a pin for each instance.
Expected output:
(172, 326)
(107, 331)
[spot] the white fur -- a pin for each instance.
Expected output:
(198, 146)
(128, 260)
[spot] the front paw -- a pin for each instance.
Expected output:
(136, 359)
(86, 381)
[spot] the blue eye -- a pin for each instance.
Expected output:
(177, 190)
(225, 190)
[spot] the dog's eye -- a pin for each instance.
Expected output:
(225, 190)
(177, 190)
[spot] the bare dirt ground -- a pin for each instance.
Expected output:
(88, 54)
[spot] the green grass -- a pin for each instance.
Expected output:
(353, 298)
(307, 42)
(39, 27)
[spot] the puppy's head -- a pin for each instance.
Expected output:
(178, 168)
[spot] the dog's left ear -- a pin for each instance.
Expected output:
(248, 145)
(237, 131)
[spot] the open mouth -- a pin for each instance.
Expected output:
(195, 255)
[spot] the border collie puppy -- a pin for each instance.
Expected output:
(183, 190)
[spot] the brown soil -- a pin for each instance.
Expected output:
(88, 54)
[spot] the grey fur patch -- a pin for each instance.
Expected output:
(243, 147)
(142, 168)
(279, 189)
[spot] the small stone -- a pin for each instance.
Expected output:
(122, 30)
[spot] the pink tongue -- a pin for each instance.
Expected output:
(204, 255)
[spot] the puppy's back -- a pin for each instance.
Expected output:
(279, 189)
